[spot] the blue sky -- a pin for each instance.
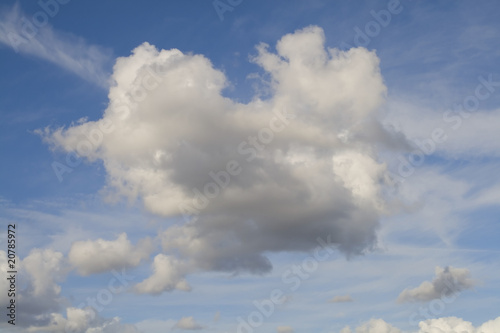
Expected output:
(389, 114)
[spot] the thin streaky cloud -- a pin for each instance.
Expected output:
(65, 50)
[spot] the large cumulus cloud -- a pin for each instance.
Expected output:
(243, 179)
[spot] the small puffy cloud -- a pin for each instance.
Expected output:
(39, 302)
(284, 329)
(82, 321)
(168, 274)
(77, 320)
(377, 326)
(188, 324)
(341, 299)
(99, 256)
(373, 326)
(448, 281)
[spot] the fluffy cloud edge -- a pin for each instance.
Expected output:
(437, 325)
(98, 256)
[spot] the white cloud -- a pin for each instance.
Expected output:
(19, 32)
(38, 298)
(82, 321)
(490, 326)
(373, 326)
(341, 299)
(188, 323)
(449, 324)
(37, 291)
(439, 325)
(360, 174)
(44, 267)
(168, 274)
(99, 256)
(448, 281)
(377, 326)
(168, 132)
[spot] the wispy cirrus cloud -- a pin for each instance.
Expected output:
(34, 36)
